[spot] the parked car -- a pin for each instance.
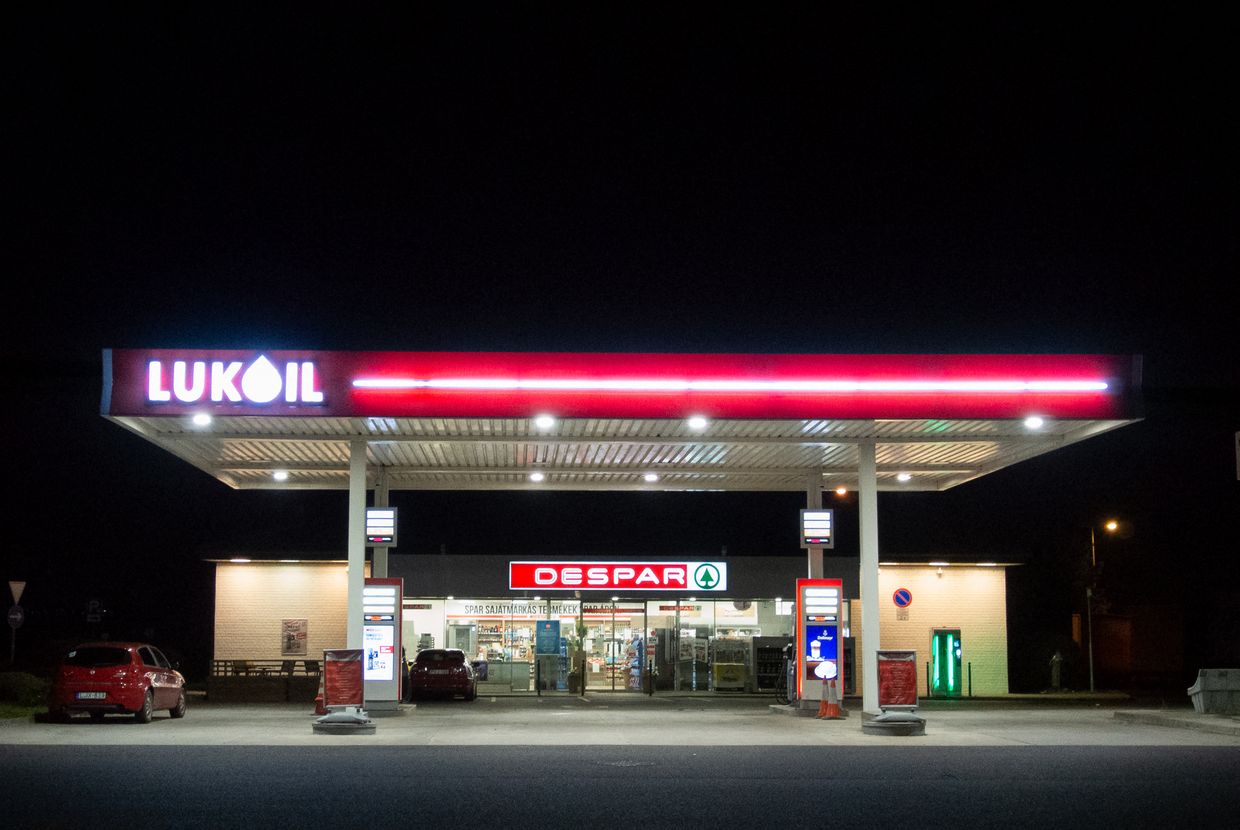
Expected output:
(116, 678)
(443, 671)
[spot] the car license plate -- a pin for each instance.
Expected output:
(91, 695)
(438, 671)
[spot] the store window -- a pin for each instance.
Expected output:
(617, 645)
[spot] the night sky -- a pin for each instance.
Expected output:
(559, 177)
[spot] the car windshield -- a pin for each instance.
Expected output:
(437, 655)
(96, 657)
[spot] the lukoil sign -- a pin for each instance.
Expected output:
(218, 381)
(617, 576)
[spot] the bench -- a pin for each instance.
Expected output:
(1216, 692)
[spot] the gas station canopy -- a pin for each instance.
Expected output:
(510, 421)
(490, 421)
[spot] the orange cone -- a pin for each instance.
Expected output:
(319, 707)
(829, 708)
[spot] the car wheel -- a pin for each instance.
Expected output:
(144, 714)
(472, 693)
(178, 711)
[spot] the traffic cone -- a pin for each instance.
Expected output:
(829, 707)
(319, 707)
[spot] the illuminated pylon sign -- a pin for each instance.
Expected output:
(818, 528)
(381, 526)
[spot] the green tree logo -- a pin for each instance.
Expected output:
(706, 577)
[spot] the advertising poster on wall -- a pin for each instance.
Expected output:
(294, 637)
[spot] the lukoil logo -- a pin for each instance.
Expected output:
(218, 381)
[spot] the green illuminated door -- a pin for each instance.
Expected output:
(945, 679)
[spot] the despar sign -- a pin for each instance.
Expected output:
(617, 576)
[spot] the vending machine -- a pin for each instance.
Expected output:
(381, 630)
(820, 650)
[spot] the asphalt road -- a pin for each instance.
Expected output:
(624, 786)
(621, 762)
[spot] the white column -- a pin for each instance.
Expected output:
(867, 502)
(379, 555)
(357, 540)
(813, 501)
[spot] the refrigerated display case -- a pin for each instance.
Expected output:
(768, 662)
(729, 663)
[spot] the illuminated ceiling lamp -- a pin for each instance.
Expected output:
(1035, 422)
(698, 422)
(544, 421)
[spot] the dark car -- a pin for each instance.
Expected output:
(116, 678)
(443, 671)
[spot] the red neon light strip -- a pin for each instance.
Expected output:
(729, 387)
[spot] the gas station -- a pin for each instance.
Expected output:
(385, 421)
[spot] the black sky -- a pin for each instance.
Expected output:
(619, 177)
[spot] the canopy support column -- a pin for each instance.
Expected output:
(867, 503)
(379, 554)
(357, 541)
(813, 501)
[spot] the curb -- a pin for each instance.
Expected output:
(1214, 724)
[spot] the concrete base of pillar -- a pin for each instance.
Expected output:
(894, 723)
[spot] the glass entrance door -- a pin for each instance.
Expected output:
(945, 651)
(614, 645)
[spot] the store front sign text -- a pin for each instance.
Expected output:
(618, 576)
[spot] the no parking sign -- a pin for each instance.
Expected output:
(903, 597)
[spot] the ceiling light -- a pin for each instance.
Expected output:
(537, 476)
(651, 478)
(544, 422)
(939, 564)
(280, 475)
(697, 422)
(841, 491)
(1034, 422)
(239, 560)
(988, 564)
(903, 477)
(202, 419)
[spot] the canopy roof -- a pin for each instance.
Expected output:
(471, 421)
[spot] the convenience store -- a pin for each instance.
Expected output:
(729, 641)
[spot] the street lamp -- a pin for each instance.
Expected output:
(1111, 525)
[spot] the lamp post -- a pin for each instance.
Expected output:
(1111, 526)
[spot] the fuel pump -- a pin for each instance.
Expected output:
(819, 649)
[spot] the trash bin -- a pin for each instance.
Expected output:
(1216, 692)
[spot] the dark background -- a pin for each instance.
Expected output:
(624, 178)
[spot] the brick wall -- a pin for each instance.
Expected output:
(251, 600)
(971, 599)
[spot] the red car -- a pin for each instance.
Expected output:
(116, 678)
(443, 671)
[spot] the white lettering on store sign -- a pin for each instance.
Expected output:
(260, 383)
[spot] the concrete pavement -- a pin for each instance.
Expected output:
(663, 720)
